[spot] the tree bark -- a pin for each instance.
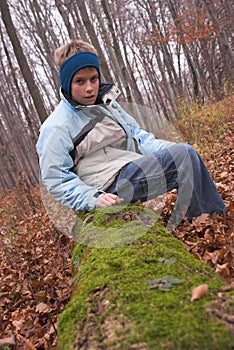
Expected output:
(225, 48)
(95, 42)
(22, 60)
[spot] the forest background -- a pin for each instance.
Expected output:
(175, 57)
(162, 54)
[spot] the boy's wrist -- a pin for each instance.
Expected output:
(98, 193)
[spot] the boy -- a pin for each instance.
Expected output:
(93, 154)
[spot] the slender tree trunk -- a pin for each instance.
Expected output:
(116, 59)
(193, 70)
(19, 94)
(225, 48)
(132, 81)
(22, 61)
(94, 40)
(65, 17)
(230, 11)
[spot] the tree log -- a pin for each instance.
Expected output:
(133, 285)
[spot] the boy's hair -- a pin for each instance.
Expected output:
(63, 52)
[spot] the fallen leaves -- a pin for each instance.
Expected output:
(8, 341)
(35, 280)
(211, 238)
(222, 309)
(43, 308)
(199, 291)
(211, 241)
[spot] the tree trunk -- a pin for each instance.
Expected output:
(20, 98)
(22, 61)
(225, 48)
(132, 288)
(94, 41)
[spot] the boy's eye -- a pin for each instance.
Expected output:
(94, 79)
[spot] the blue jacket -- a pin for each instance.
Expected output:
(60, 133)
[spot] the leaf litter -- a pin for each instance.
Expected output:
(35, 278)
(210, 238)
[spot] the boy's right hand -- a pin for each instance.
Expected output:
(107, 200)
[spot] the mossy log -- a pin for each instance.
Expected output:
(132, 288)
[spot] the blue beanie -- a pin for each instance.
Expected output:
(73, 64)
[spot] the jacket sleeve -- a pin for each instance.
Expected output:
(54, 146)
(147, 142)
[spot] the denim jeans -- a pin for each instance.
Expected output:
(176, 167)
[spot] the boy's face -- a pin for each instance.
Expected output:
(85, 86)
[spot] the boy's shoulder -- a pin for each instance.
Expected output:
(60, 115)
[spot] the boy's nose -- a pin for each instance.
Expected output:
(88, 86)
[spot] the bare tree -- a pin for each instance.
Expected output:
(22, 60)
(224, 46)
(94, 40)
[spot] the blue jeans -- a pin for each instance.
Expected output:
(176, 167)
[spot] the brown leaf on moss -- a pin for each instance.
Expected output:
(199, 291)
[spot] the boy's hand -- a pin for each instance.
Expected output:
(107, 200)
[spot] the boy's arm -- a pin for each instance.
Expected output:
(53, 149)
(147, 142)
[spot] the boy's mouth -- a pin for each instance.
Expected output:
(89, 97)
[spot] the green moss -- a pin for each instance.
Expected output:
(114, 308)
(114, 226)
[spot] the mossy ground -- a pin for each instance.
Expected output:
(114, 308)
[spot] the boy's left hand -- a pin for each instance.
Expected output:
(107, 200)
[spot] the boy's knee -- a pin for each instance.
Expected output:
(188, 149)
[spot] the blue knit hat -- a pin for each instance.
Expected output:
(73, 64)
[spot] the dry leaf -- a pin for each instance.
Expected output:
(42, 308)
(202, 219)
(222, 269)
(18, 324)
(27, 344)
(199, 291)
(227, 288)
(8, 341)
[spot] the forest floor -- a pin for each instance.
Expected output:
(36, 281)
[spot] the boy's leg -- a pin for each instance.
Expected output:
(178, 166)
